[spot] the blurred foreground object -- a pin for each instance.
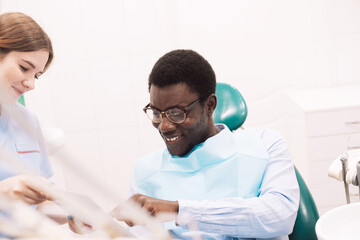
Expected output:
(54, 139)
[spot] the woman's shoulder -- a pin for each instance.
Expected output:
(24, 111)
(21, 116)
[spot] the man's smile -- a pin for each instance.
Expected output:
(171, 140)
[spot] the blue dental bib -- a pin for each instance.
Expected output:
(227, 165)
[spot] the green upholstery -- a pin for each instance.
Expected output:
(22, 100)
(231, 108)
(232, 111)
(307, 214)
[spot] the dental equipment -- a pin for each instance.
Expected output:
(86, 211)
(79, 207)
(31, 224)
(358, 176)
(136, 215)
(345, 167)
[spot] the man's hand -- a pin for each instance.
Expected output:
(153, 206)
(26, 188)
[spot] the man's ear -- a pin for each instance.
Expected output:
(211, 104)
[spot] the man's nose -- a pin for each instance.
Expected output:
(166, 125)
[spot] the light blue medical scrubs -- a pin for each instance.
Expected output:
(22, 142)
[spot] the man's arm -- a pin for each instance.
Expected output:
(271, 214)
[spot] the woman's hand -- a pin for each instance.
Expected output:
(53, 211)
(27, 188)
(57, 214)
(78, 226)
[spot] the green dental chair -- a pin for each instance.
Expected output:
(231, 110)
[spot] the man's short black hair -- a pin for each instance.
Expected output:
(184, 66)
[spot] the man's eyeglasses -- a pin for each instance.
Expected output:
(174, 114)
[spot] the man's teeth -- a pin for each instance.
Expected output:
(171, 139)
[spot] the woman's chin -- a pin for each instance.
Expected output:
(9, 100)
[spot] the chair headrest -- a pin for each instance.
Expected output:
(231, 108)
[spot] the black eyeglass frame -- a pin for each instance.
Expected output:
(183, 108)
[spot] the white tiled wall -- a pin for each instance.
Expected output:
(104, 51)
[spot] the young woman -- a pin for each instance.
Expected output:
(25, 54)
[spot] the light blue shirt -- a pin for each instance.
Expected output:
(270, 215)
(20, 136)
